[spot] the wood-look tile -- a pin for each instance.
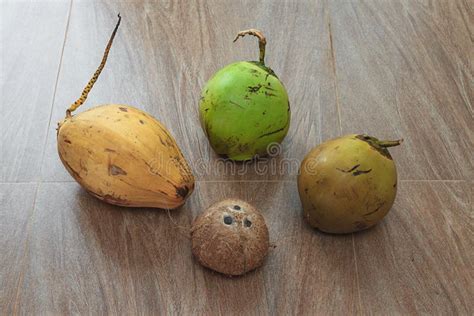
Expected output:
(404, 70)
(87, 256)
(392, 69)
(16, 207)
(419, 260)
(32, 37)
(163, 72)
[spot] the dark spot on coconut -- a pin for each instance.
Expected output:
(360, 225)
(269, 87)
(123, 109)
(161, 141)
(141, 122)
(264, 112)
(306, 190)
(116, 170)
(359, 172)
(109, 150)
(269, 94)
(395, 185)
(228, 220)
(237, 207)
(350, 170)
(67, 141)
(243, 147)
(273, 132)
(375, 211)
(113, 199)
(247, 223)
(205, 110)
(254, 89)
(182, 191)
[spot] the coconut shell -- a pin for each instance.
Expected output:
(230, 237)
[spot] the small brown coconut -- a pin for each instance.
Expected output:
(230, 237)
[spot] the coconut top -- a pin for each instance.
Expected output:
(230, 237)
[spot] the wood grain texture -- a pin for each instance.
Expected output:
(390, 68)
(420, 259)
(32, 37)
(17, 202)
(163, 72)
(404, 70)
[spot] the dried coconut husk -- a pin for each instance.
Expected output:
(230, 237)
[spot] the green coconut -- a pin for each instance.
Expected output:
(244, 107)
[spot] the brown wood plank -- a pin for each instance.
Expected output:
(32, 37)
(16, 202)
(162, 72)
(392, 69)
(419, 260)
(87, 256)
(404, 69)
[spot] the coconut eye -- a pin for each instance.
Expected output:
(237, 207)
(228, 220)
(247, 223)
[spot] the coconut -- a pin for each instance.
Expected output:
(348, 184)
(121, 154)
(244, 107)
(230, 237)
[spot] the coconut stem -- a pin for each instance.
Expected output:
(94, 78)
(389, 143)
(261, 41)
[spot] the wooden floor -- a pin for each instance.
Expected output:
(392, 69)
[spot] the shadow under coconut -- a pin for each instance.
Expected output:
(242, 295)
(139, 249)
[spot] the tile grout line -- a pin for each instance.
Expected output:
(56, 86)
(30, 217)
(256, 181)
(333, 66)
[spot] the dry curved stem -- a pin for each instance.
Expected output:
(94, 78)
(262, 41)
(390, 143)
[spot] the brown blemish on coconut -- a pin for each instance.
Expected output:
(123, 109)
(182, 191)
(116, 170)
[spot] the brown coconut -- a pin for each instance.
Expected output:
(230, 237)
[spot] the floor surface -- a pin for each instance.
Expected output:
(392, 69)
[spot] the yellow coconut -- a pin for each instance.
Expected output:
(123, 155)
(348, 184)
